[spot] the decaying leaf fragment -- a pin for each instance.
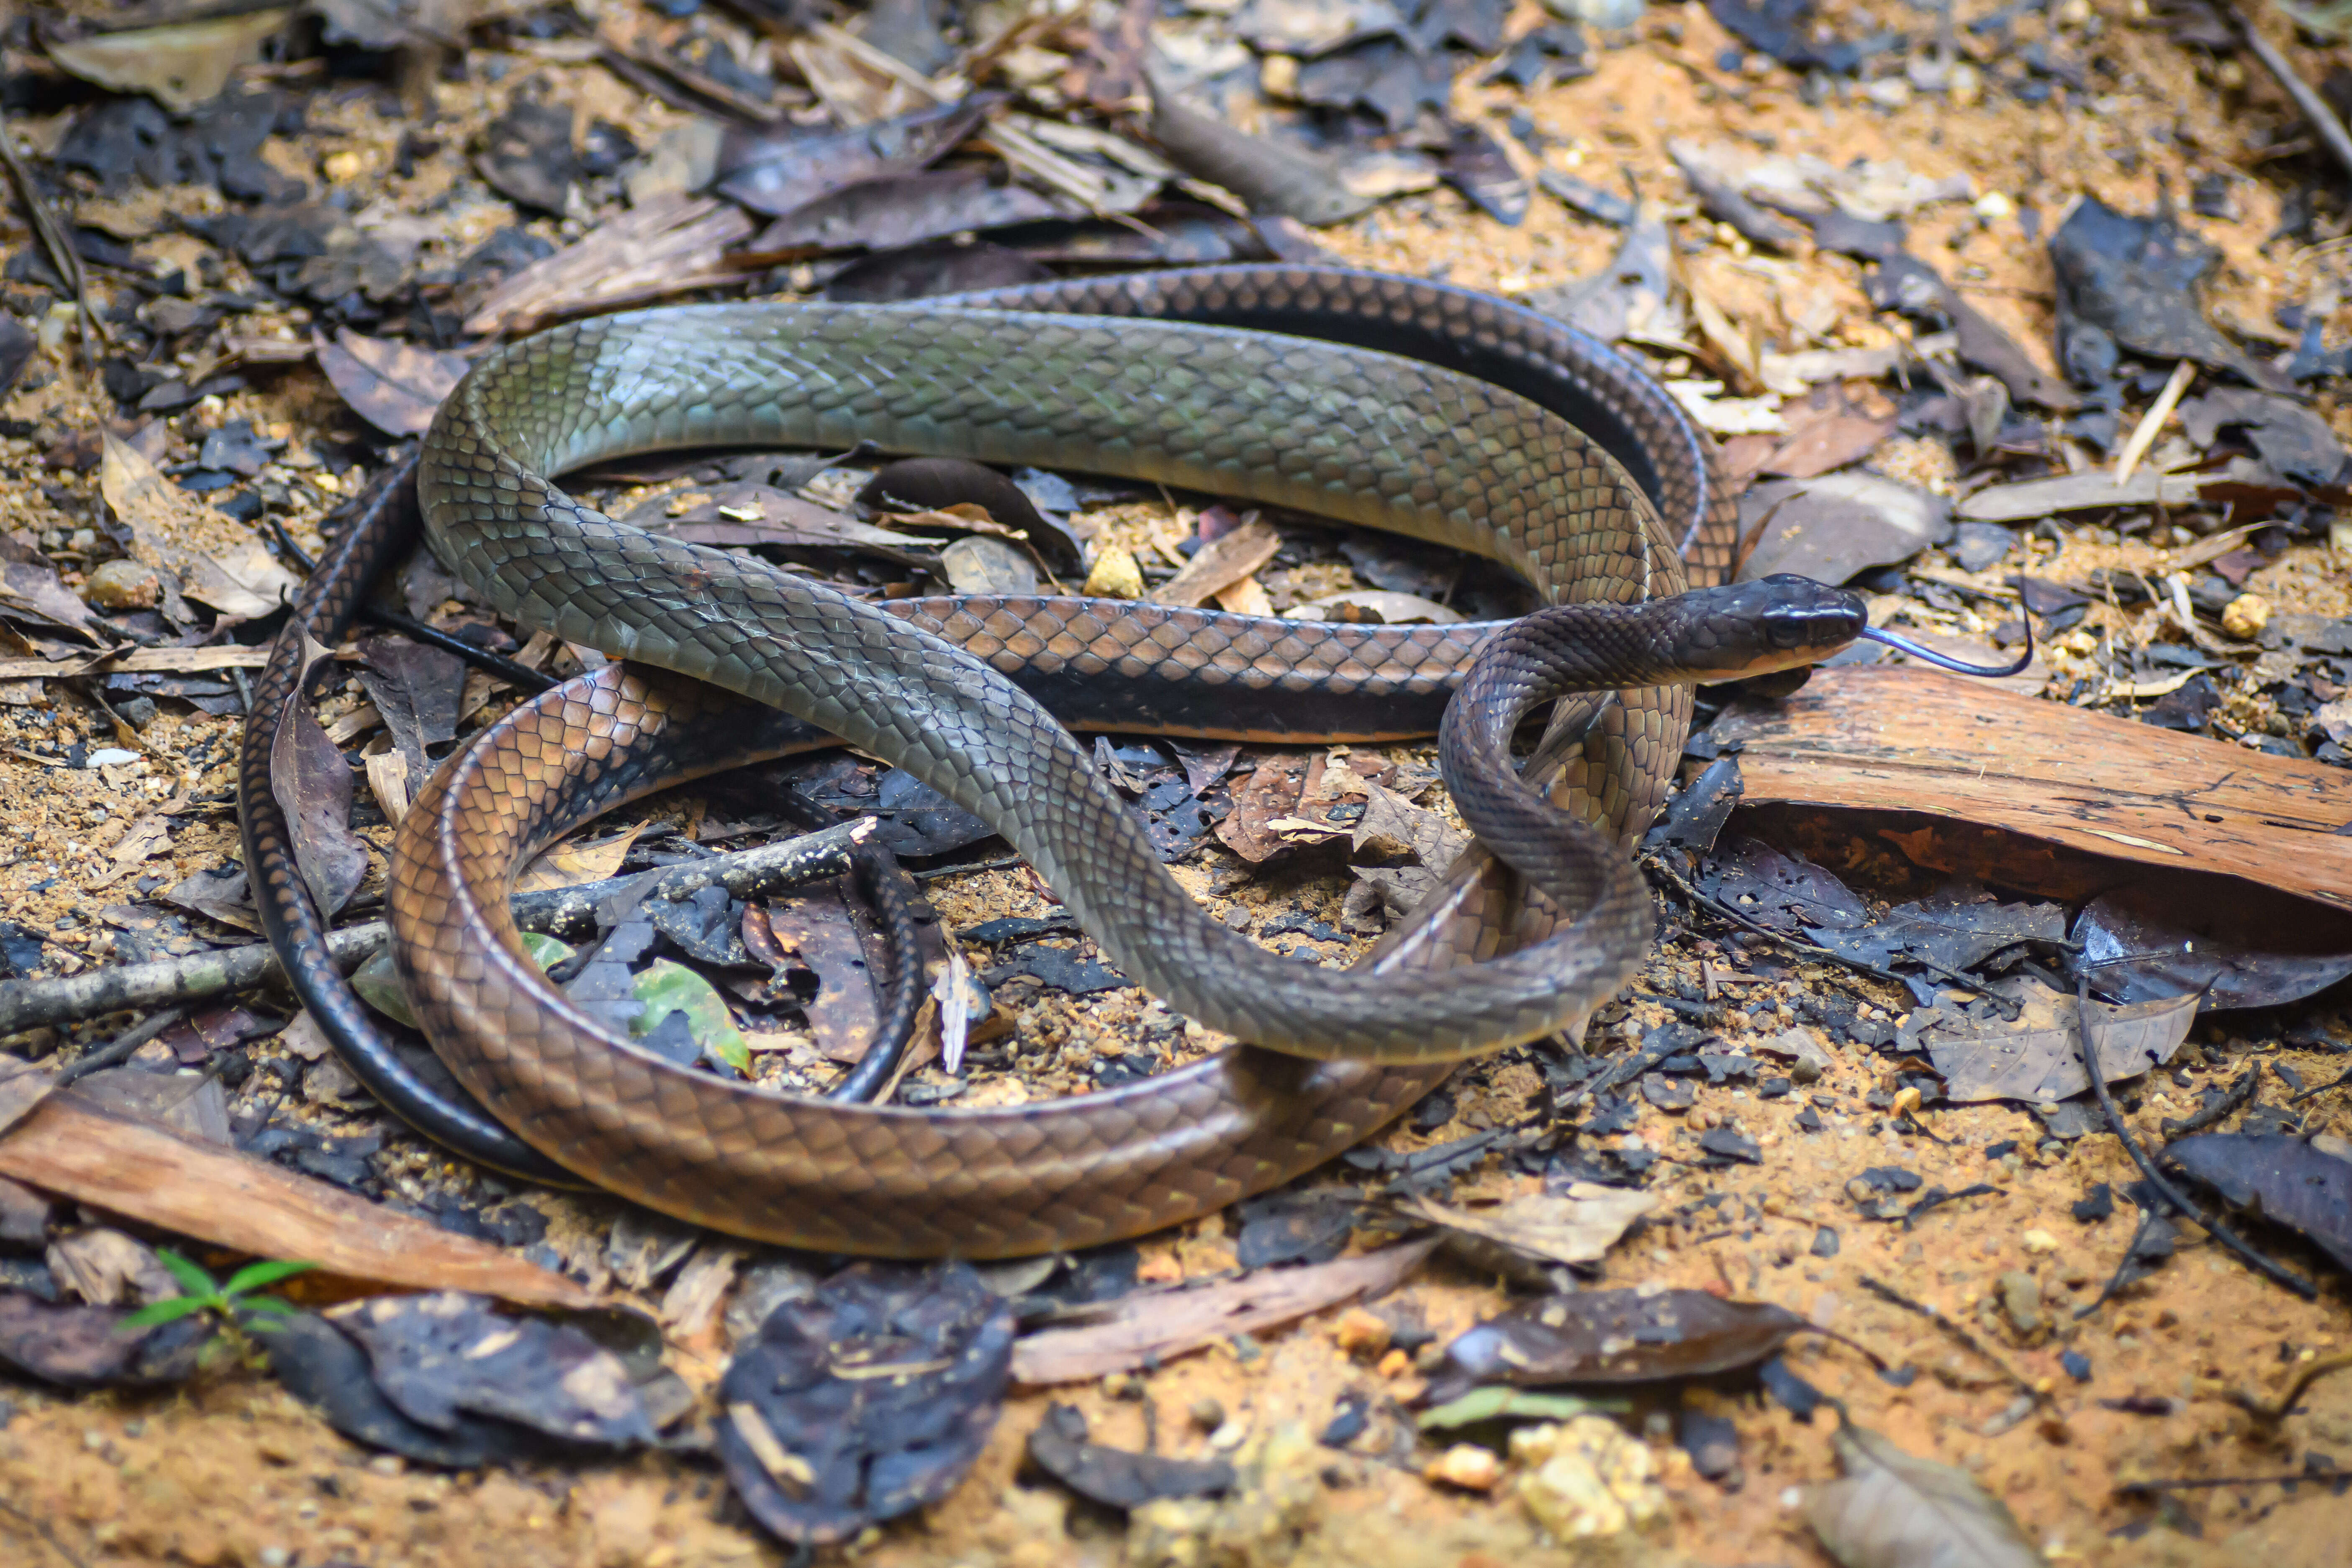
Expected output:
(1893, 1509)
(1614, 1337)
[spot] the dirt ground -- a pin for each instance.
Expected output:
(230, 1470)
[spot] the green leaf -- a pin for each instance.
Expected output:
(254, 1276)
(545, 951)
(1511, 1404)
(378, 984)
(665, 987)
(193, 1279)
(163, 1311)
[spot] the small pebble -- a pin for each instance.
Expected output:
(1208, 1414)
(2077, 1365)
(1467, 1466)
(2038, 1242)
(123, 585)
(1396, 1363)
(2244, 616)
(2020, 1298)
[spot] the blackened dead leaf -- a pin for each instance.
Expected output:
(416, 688)
(1478, 166)
(17, 345)
(313, 787)
(1615, 1336)
(919, 272)
(935, 484)
(2285, 1178)
(2248, 946)
(1893, 1509)
(1117, 1478)
(527, 155)
(813, 935)
(444, 1355)
(393, 387)
(1272, 176)
(2137, 282)
(1904, 282)
(1782, 892)
(865, 1400)
(904, 209)
(320, 1366)
(2289, 436)
(86, 1347)
(1295, 1228)
(774, 174)
(1785, 30)
(2037, 1056)
(1834, 526)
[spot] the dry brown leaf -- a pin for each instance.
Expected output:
(180, 65)
(670, 245)
(141, 661)
(393, 387)
(1220, 564)
(1153, 1327)
(1893, 1509)
(2038, 1057)
(146, 1173)
(150, 835)
(1580, 1226)
(217, 562)
(569, 864)
(314, 787)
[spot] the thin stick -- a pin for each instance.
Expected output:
(2142, 435)
(557, 912)
(2307, 102)
(1890, 1295)
(55, 241)
(2229, 1238)
(2312, 1373)
(120, 1049)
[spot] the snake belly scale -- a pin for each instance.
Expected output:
(1340, 431)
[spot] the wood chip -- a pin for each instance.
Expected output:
(62, 1144)
(1221, 564)
(1921, 741)
(1152, 1328)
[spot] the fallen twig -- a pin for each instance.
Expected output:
(1974, 1346)
(2301, 93)
(556, 912)
(55, 242)
(119, 1048)
(2254, 1405)
(2229, 1238)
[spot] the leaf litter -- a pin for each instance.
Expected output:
(2258, 505)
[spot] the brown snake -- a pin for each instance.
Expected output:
(1280, 420)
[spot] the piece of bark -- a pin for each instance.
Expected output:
(1222, 562)
(64, 1145)
(1921, 741)
(1152, 1328)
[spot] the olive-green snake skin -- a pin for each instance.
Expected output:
(1344, 432)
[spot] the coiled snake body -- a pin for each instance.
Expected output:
(1235, 409)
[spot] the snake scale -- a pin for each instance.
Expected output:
(1412, 406)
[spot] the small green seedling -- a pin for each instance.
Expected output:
(205, 1295)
